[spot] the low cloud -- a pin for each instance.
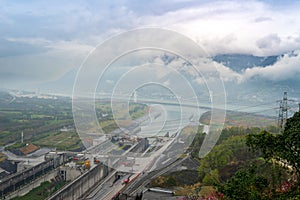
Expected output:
(227, 74)
(222, 27)
(287, 67)
(262, 19)
(12, 48)
(49, 64)
(269, 41)
(42, 41)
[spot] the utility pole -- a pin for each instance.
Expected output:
(22, 137)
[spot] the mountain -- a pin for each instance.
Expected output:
(251, 91)
(240, 62)
(258, 91)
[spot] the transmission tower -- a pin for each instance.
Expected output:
(283, 110)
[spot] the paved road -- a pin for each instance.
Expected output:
(159, 157)
(107, 188)
(139, 184)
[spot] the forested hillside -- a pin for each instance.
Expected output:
(247, 163)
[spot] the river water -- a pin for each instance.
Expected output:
(168, 119)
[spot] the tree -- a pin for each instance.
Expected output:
(246, 184)
(289, 143)
(211, 178)
(284, 147)
(230, 151)
(264, 142)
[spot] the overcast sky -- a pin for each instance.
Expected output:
(41, 41)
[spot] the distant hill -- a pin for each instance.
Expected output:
(242, 119)
(240, 62)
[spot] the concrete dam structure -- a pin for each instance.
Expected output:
(77, 188)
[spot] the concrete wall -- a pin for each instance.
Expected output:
(35, 183)
(82, 184)
(69, 173)
(13, 182)
(141, 146)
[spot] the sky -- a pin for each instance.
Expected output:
(43, 41)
